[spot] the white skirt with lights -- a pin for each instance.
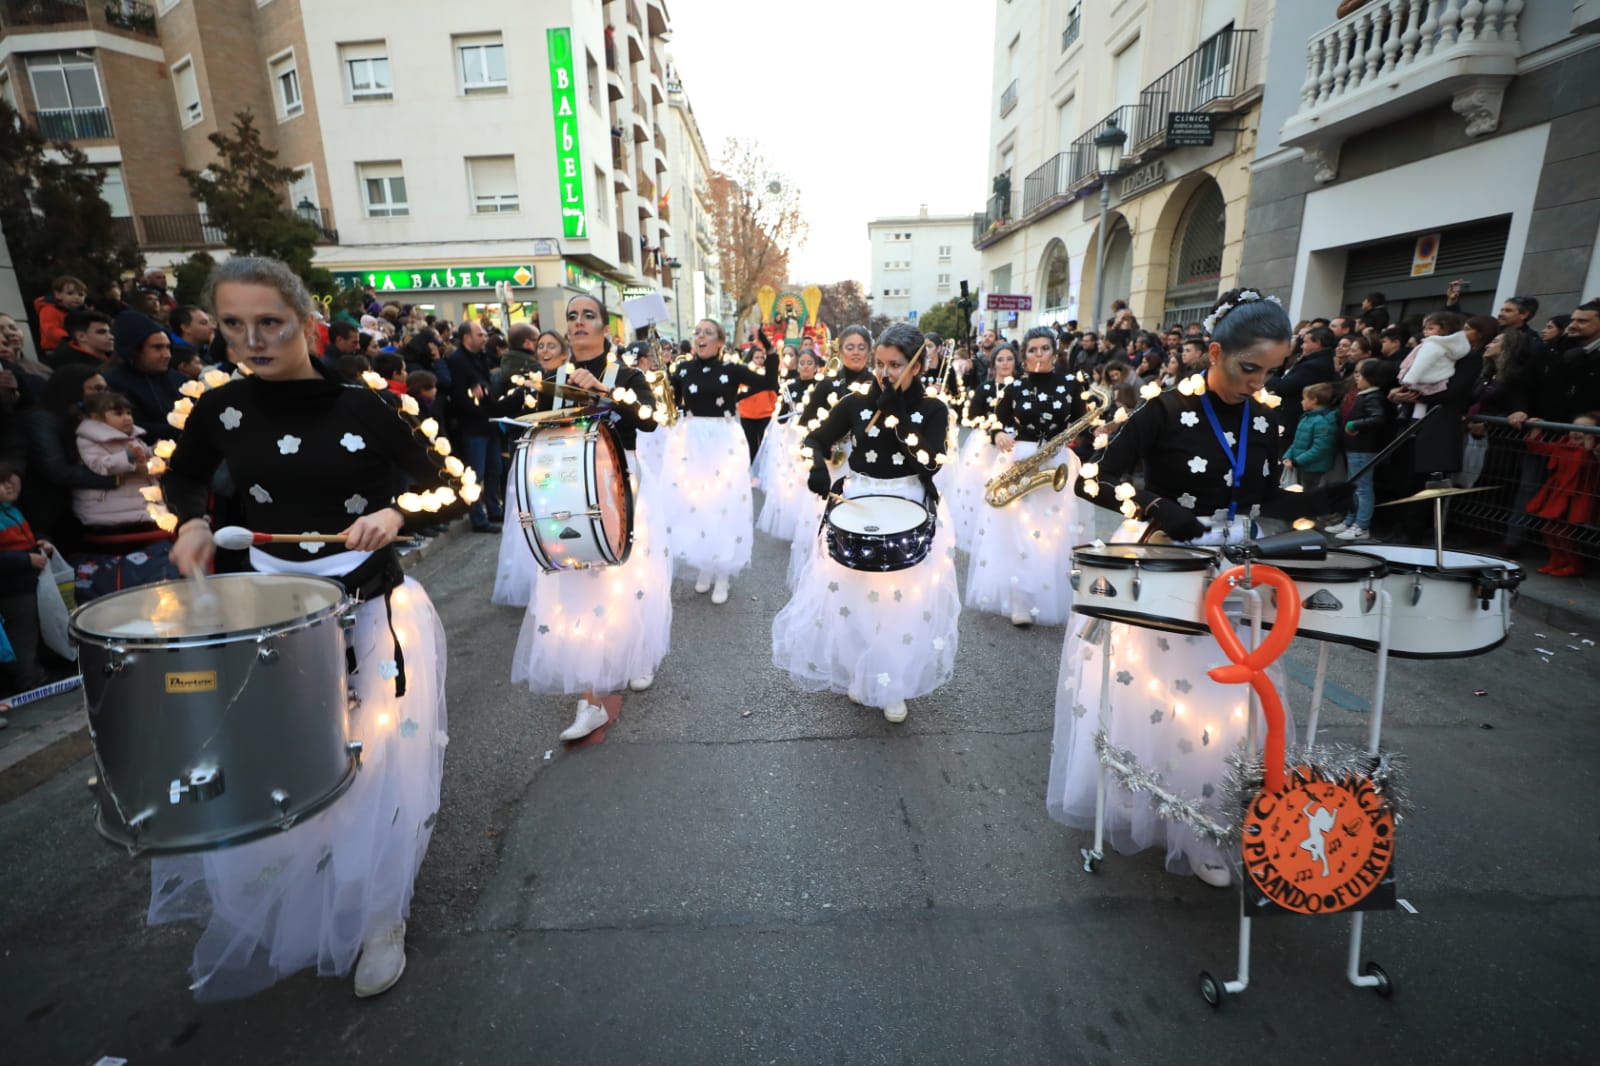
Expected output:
(709, 523)
(515, 569)
(978, 461)
(310, 896)
(781, 476)
(1021, 554)
(880, 637)
(595, 630)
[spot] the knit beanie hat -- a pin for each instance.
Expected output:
(130, 329)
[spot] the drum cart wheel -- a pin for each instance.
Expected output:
(1381, 983)
(1212, 990)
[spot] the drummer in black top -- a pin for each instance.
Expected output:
(310, 453)
(853, 375)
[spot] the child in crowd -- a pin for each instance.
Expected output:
(1366, 431)
(1316, 436)
(67, 294)
(187, 362)
(22, 556)
(423, 387)
(108, 443)
(1567, 497)
(1426, 371)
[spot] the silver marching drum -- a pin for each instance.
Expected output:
(218, 712)
(573, 496)
(1155, 586)
(1451, 612)
(1338, 597)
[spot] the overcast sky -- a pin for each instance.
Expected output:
(873, 108)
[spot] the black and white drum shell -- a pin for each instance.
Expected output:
(1338, 597)
(216, 723)
(1154, 586)
(880, 534)
(1461, 610)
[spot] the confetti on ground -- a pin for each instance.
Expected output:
(1544, 651)
(1480, 692)
(1539, 635)
(1405, 904)
(547, 755)
(1574, 647)
(1589, 642)
(745, 714)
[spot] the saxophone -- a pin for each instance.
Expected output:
(1022, 477)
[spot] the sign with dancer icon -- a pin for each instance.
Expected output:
(1318, 846)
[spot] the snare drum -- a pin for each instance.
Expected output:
(878, 533)
(1450, 613)
(216, 722)
(1156, 586)
(1338, 597)
(574, 499)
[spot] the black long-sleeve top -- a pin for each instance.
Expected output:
(307, 456)
(908, 438)
(980, 405)
(828, 389)
(1038, 406)
(709, 388)
(630, 395)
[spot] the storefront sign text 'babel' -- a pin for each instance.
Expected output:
(421, 279)
(564, 104)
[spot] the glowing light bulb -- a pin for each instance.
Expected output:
(409, 501)
(1089, 470)
(374, 381)
(193, 389)
(214, 379)
(167, 522)
(165, 448)
(430, 428)
(441, 445)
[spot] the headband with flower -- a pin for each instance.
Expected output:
(1246, 296)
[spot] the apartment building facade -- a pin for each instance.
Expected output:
(1404, 146)
(1180, 83)
(920, 260)
(441, 150)
(696, 281)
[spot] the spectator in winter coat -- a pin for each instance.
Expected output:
(22, 556)
(190, 327)
(67, 294)
(1366, 431)
(108, 443)
(144, 373)
(1314, 365)
(473, 402)
(1315, 444)
(1427, 370)
(54, 469)
(88, 341)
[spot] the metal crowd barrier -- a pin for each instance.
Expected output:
(1559, 458)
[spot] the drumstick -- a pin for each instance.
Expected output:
(905, 376)
(237, 538)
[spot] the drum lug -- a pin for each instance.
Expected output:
(347, 621)
(267, 654)
(354, 749)
(280, 800)
(204, 783)
(1369, 598)
(1073, 580)
(113, 667)
(1138, 581)
(1416, 589)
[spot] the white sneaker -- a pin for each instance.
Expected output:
(639, 684)
(854, 698)
(703, 582)
(895, 712)
(719, 591)
(383, 960)
(590, 718)
(1020, 616)
(1354, 533)
(1337, 527)
(1216, 874)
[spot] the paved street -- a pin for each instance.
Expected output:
(742, 873)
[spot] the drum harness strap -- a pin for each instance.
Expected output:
(379, 575)
(609, 380)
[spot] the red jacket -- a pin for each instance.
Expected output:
(1568, 492)
(52, 322)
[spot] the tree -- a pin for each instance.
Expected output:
(54, 218)
(757, 221)
(944, 319)
(844, 303)
(246, 196)
(190, 277)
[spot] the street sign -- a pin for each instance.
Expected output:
(1190, 129)
(1425, 255)
(996, 301)
(912, 315)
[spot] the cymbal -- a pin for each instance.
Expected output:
(1433, 494)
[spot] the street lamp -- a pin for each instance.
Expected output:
(1108, 159)
(675, 265)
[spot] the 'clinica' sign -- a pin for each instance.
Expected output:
(569, 159)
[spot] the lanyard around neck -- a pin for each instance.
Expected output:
(1236, 459)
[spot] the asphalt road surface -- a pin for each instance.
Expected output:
(744, 873)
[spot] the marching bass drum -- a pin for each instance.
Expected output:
(878, 533)
(1459, 610)
(574, 497)
(1155, 586)
(220, 719)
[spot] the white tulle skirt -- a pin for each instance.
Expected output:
(595, 630)
(1170, 714)
(310, 896)
(880, 637)
(710, 514)
(1021, 554)
(781, 477)
(808, 511)
(514, 569)
(652, 450)
(978, 461)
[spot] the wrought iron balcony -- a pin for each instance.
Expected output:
(132, 15)
(73, 123)
(189, 230)
(993, 222)
(1074, 24)
(1393, 58)
(1008, 99)
(14, 13)
(1211, 78)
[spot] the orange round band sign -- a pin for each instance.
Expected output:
(1318, 847)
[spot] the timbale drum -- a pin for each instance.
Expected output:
(1338, 597)
(1460, 609)
(573, 496)
(1156, 586)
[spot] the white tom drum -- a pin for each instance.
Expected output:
(1156, 586)
(1449, 612)
(574, 499)
(1338, 597)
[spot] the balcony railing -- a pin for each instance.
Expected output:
(640, 108)
(989, 224)
(633, 16)
(1082, 164)
(1213, 74)
(1046, 183)
(125, 232)
(1074, 25)
(624, 247)
(73, 123)
(132, 15)
(42, 12)
(645, 188)
(192, 230)
(1392, 58)
(1008, 99)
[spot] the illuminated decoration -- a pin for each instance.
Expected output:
(433, 277)
(790, 318)
(374, 381)
(569, 157)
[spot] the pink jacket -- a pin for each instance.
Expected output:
(106, 451)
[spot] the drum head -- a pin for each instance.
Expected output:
(1408, 558)
(239, 603)
(1173, 557)
(613, 494)
(1338, 566)
(878, 515)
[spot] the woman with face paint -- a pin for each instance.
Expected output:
(1022, 552)
(592, 633)
(312, 454)
(980, 460)
(515, 569)
(1209, 448)
(880, 638)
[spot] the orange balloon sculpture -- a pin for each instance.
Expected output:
(1251, 666)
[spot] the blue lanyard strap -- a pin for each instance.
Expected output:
(1235, 458)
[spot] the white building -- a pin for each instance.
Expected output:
(696, 282)
(919, 261)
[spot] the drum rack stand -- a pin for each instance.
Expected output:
(1212, 989)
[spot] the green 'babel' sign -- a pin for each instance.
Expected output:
(569, 159)
(421, 279)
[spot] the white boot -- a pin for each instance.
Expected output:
(719, 592)
(895, 712)
(1020, 615)
(383, 960)
(590, 718)
(702, 583)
